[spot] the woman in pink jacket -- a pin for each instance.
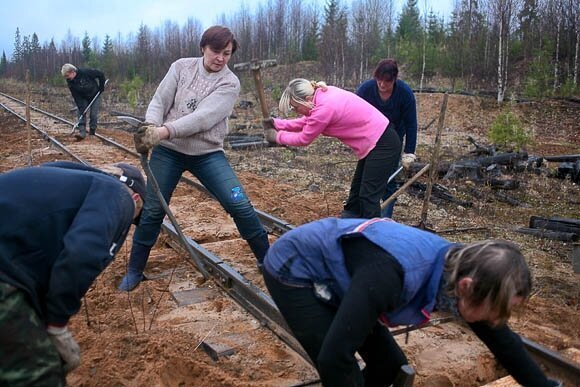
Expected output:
(338, 113)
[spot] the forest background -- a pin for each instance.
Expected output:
(511, 48)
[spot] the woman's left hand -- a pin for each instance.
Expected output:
(270, 135)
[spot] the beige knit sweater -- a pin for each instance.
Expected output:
(194, 105)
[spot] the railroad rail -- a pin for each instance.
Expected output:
(240, 289)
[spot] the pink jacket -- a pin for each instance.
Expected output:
(337, 113)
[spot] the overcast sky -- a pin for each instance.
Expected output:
(52, 19)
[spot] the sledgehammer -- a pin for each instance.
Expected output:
(144, 157)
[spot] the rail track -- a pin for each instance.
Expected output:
(239, 281)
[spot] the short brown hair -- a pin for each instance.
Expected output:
(218, 37)
(386, 70)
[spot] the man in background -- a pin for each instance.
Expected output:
(85, 85)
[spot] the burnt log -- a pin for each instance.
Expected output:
(502, 159)
(442, 168)
(467, 169)
(502, 197)
(556, 224)
(562, 158)
(569, 169)
(556, 235)
(503, 184)
(481, 149)
(439, 194)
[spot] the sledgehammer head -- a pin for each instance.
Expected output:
(134, 122)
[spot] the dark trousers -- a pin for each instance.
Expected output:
(331, 335)
(93, 114)
(371, 175)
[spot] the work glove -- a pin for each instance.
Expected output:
(146, 138)
(270, 135)
(67, 347)
(407, 159)
(268, 123)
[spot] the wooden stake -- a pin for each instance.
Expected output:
(28, 127)
(434, 160)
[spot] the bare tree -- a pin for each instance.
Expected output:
(503, 12)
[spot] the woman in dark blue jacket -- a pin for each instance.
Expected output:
(339, 282)
(61, 225)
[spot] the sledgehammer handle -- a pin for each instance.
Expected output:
(155, 185)
(405, 186)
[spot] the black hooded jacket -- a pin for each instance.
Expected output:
(86, 84)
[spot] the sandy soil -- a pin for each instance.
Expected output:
(147, 338)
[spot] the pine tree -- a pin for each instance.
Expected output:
(17, 53)
(86, 51)
(3, 63)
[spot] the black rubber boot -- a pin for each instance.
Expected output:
(259, 245)
(137, 263)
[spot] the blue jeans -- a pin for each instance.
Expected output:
(214, 172)
(392, 187)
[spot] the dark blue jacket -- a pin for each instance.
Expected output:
(61, 225)
(312, 254)
(400, 109)
(86, 84)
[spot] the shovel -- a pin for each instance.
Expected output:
(151, 178)
(75, 126)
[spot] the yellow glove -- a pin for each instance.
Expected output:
(407, 159)
(146, 138)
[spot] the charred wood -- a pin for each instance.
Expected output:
(503, 184)
(439, 194)
(562, 158)
(502, 158)
(556, 224)
(557, 235)
(502, 197)
(467, 169)
(569, 169)
(429, 124)
(481, 149)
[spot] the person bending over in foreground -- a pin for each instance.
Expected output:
(188, 123)
(338, 113)
(62, 224)
(340, 282)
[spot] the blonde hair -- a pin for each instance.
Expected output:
(498, 270)
(66, 68)
(298, 89)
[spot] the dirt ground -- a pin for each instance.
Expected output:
(145, 340)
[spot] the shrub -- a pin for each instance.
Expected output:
(130, 90)
(507, 132)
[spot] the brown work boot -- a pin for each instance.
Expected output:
(80, 136)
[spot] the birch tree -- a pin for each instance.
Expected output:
(503, 12)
